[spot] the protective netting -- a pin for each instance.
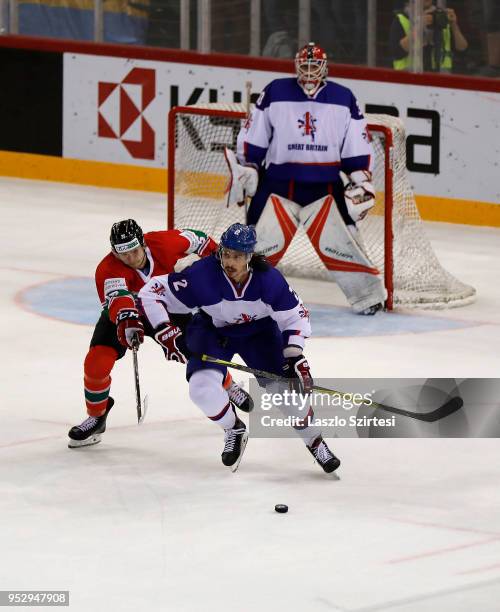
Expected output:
(198, 200)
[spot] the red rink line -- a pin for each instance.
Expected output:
(442, 551)
(484, 568)
(30, 441)
(120, 427)
(448, 527)
(19, 297)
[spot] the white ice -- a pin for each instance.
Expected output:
(149, 519)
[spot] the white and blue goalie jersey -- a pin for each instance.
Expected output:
(306, 139)
(237, 312)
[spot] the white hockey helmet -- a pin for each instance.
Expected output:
(311, 67)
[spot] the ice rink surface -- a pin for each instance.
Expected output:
(149, 519)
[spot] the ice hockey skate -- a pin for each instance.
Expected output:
(235, 441)
(89, 432)
(372, 310)
(323, 455)
(239, 398)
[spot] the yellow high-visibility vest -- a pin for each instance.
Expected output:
(446, 62)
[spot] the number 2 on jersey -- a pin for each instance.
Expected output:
(180, 284)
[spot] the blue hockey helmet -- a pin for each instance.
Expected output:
(239, 237)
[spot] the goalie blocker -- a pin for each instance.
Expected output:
(243, 180)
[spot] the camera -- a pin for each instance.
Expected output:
(439, 19)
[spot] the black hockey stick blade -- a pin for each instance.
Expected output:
(448, 408)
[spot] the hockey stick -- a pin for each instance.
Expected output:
(248, 104)
(140, 406)
(449, 407)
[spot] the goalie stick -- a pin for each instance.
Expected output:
(248, 108)
(449, 407)
(140, 406)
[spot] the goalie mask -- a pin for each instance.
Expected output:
(311, 67)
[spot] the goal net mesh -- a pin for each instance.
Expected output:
(199, 172)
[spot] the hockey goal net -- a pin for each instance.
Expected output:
(392, 234)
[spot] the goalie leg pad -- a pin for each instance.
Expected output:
(276, 227)
(346, 262)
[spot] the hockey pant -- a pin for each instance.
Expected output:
(335, 245)
(262, 350)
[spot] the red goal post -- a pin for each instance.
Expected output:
(392, 234)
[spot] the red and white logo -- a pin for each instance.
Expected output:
(157, 288)
(244, 318)
(120, 114)
(303, 312)
(308, 125)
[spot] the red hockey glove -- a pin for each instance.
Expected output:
(297, 369)
(168, 336)
(129, 326)
(209, 247)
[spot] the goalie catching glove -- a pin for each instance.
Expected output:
(297, 369)
(169, 337)
(359, 193)
(129, 327)
(243, 180)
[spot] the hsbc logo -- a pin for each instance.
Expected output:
(120, 112)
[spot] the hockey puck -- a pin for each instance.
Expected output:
(281, 508)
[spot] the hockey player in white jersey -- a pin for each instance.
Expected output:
(304, 156)
(246, 307)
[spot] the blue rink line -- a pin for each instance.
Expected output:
(74, 300)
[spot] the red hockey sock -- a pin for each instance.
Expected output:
(228, 381)
(97, 380)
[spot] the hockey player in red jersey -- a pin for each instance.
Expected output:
(134, 259)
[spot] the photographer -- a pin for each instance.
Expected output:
(441, 37)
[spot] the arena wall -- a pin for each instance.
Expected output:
(97, 115)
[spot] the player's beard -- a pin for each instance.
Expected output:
(235, 275)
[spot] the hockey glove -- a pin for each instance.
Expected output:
(297, 369)
(129, 327)
(243, 180)
(170, 337)
(359, 194)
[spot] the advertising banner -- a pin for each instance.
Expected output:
(115, 110)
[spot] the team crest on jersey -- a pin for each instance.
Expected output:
(248, 122)
(303, 312)
(244, 318)
(308, 125)
(157, 288)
